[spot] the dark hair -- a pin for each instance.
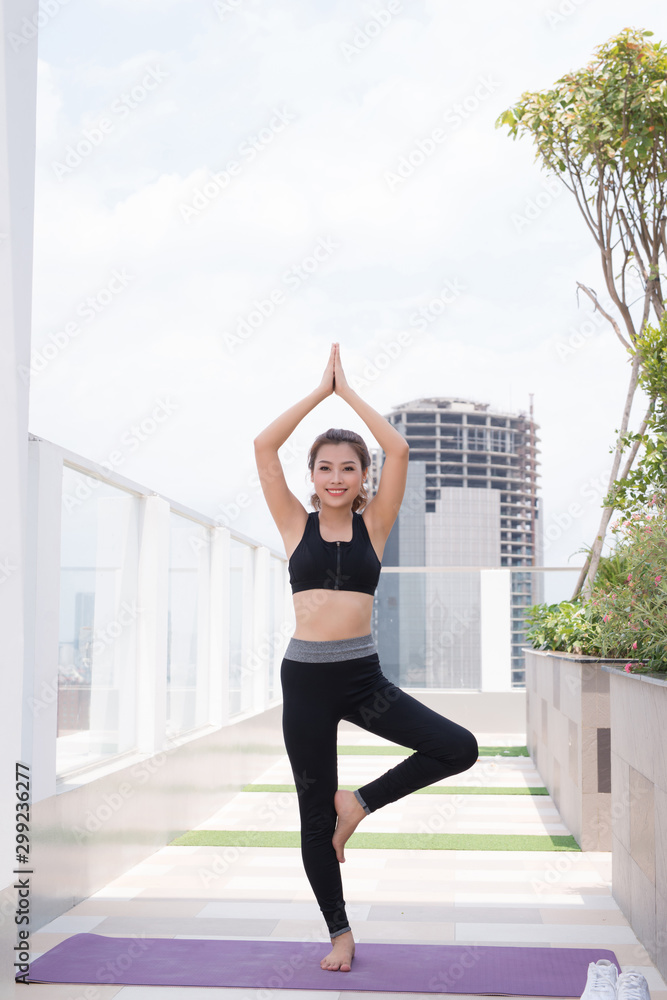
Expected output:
(337, 435)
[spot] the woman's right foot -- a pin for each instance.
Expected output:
(350, 813)
(341, 954)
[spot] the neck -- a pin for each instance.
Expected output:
(335, 517)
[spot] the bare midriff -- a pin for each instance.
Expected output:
(327, 614)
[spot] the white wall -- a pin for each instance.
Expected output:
(18, 85)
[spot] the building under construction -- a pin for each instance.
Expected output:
(470, 505)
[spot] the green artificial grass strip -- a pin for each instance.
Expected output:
(399, 751)
(382, 841)
(429, 790)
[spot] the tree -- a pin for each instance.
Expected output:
(602, 131)
(646, 486)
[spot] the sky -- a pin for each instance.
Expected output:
(225, 187)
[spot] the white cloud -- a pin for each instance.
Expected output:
(320, 176)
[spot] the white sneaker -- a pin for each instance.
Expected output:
(632, 986)
(601, 981)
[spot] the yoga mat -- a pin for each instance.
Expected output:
(393, 968)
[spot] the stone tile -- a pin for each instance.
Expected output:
(384, 931)
(419, 912)
(632, 954)
(600, 918)
(555, 783)
(589, 710)
(603, 700)
(660, 955)
(498, 914)
(621, 881)
(555, 672)
(570, 690)
(596, 820)
(639, 718)
(642, 823)
(168, 926)
(583, 935)
(589, 760)
(620, 789)
(660, 828)
(176, 908)
(573, 752)
(603, 759)
(590, 673)
(643, 906)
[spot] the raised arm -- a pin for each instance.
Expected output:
(282, 503)
(383, 508)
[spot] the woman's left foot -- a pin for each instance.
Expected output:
(341, 954)
(350, 813)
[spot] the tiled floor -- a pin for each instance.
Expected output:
(476, 897)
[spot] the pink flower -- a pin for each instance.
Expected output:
(658, 579)
(629, 576)
(606, 618)
(628, 668)
(634, 645)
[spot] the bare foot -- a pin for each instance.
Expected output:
(342, 952)
(350, 813)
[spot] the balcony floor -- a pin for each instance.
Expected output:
(529, 898)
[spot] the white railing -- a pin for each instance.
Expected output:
(154, 624)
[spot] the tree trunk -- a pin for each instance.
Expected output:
(590, 567)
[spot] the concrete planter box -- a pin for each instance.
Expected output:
(568, 736)
(639, 805)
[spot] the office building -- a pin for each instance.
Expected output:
(470, 501)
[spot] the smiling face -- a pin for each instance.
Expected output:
(337, 475)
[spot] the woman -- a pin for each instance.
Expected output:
(331, 670)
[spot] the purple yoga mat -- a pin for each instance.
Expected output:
(394, 968)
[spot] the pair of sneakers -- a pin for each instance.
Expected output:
(604, 983)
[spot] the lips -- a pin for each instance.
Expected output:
(336, 493)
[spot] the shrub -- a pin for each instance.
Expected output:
(626, 615)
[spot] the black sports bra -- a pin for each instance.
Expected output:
(317, 564)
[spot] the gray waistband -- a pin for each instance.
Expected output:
(329, 650)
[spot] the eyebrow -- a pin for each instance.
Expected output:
(349, 461)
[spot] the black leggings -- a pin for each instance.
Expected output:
(316, 696)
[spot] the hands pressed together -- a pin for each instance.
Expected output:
(334, 379)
